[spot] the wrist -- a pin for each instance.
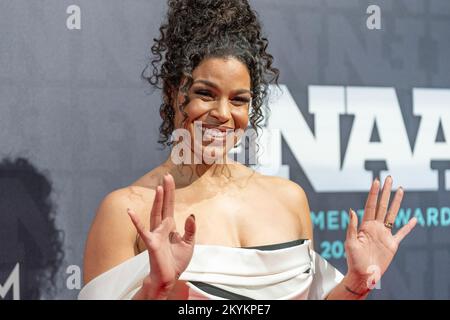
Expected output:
(156, 290)
(357, 285)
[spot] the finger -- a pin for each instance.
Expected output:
(169, 196)
(384, 199)
(352, 228)
(403, 232)
(155, 214)
(174, 237)
(189, 230)
(395, 206)
(140, 227)
(371, 203)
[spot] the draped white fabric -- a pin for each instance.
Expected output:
(296, 272)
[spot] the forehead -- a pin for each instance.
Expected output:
(225, 72)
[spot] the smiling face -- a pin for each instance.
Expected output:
(219, 102)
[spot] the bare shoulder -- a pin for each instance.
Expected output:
(113, 208)
(112, 236)
(291, 193)
(293, 198)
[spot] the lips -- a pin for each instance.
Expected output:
(211, 132)
(215, 127)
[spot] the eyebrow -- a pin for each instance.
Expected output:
(213, 85)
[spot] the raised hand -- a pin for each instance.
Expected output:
(169, 253)
(371, 248)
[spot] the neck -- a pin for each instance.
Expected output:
(186, 174)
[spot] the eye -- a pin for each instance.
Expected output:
(204, 94)
(241, 100)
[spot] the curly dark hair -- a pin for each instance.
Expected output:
(197, 29)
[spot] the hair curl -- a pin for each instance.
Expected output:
(198, 29)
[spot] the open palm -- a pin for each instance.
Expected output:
(371, 248)
(169, 253)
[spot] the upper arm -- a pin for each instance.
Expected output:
(112, 236)
(303, 211)
(297, 202)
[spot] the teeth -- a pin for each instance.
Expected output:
(213, 133)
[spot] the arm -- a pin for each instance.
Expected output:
(111, 238)
(169, 252)
(294, 199)
(350, 288)
(299, 202)
(368, 249)
(371, 247)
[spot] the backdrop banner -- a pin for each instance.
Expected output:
(364, 93)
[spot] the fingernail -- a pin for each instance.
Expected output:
(193, 216)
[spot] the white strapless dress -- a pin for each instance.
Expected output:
(289, 270)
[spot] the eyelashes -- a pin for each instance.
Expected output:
(209, 96)
(204, 93)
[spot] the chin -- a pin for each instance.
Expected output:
(214, 148)
(210, 154)
(214, 155)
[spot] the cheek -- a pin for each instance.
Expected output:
(196, 109)
(240, 117)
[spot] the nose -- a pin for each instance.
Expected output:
(221, 111)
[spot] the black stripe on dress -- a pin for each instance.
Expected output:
(219, 292)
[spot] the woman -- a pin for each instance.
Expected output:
(245, 235)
